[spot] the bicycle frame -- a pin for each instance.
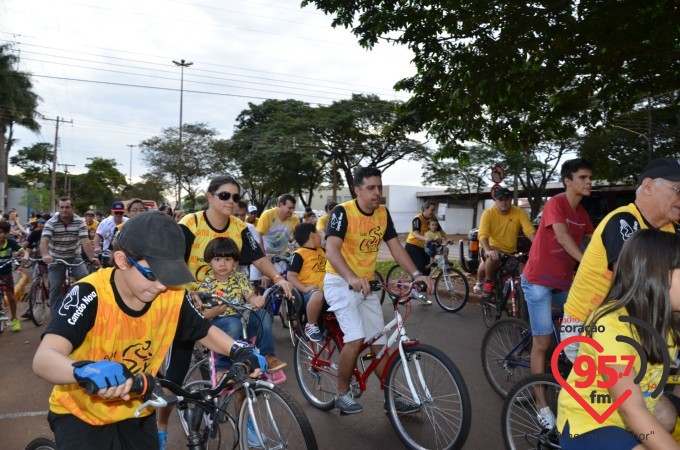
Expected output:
(526, 341)
(398, 336)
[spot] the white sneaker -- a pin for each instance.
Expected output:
(546, 418)
(477, 289)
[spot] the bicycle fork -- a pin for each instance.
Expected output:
(409, 379)
(275, 429)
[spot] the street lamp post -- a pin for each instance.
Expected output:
(181, 63)
(131, 146)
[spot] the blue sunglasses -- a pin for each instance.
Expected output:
(145, 271)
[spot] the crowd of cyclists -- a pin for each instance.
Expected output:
(153, 264)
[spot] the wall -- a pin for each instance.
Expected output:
(14, 196)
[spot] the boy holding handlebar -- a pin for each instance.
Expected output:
(121, 321)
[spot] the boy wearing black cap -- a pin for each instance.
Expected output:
(117, 322)
(498, 231)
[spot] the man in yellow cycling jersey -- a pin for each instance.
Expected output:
(353, 237)
(498, 231)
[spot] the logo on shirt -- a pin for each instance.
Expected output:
(336, 221)
(74, 305)
(372, 242)
(627, 229)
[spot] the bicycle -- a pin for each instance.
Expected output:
(507, 294)
(38, 294)
(506, 353)
(450, 286)
(519, 419)
(69, 278)
(416, 373)
(4, 319)
(268, 416)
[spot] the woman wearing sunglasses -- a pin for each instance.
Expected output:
(223, 193)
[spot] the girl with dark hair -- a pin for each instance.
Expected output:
(641, 307)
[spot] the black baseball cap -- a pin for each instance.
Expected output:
(501, 193)
(666, 168)
(160, 241)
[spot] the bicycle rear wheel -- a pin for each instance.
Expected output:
(37, 303)
(199, 370)
(42, 443)
(316, 371)
(443, 419)
(397, 279)
(521, 427)
(506, 352)
(451, 290)
(297, 316)
(276, 421)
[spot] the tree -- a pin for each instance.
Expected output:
(184, 165)
(99, 186)
(150, 188)
(621, 150)
(18, 105)
(465, 175)
(268, 137)
(517, 74)
(362, 132)
(36, 162)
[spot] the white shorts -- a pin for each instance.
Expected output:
(359, 317)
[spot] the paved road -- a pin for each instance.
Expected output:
(23, 402)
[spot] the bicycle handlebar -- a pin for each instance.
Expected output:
(15, 261)
(61, 261)
(150, 389)
(207, 299)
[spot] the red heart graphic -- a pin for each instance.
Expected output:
(600, 418)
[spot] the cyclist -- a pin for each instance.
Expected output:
(62, 237)
(657, 205)
(646, 286)
(306, 273)
(223, 254)
(107, 229)
(18, 232)
(199, 229)
(276, 226)
(31, 248)
(434, 239)
(8, 249)
(322, 223)
(252, 215)
(353, 237)
(132, 301)
(498, 231)
(549, 272)
(90, 222)
(416, 240)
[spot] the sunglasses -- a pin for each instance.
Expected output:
(224, 196)
(145, 271)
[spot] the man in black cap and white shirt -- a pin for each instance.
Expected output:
(498, 231)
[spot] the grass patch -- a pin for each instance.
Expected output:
(383, 266)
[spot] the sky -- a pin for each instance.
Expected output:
(107, 67)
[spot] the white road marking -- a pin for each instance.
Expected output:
(18, 415)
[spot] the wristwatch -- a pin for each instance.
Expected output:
(416, 273)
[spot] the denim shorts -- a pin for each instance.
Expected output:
(539, 301)
(306, 296)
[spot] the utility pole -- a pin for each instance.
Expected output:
(67, 186)
(181, 63)
(53, 184)
(131, 145)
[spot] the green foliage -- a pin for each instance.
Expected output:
(99, 186)
(516, 74)
(150, 188)
(186, 164)
(36, 199)
(36, 162)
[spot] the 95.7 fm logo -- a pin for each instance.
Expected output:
(597, 372)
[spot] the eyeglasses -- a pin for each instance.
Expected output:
(145, 271)
(675, 188)
(224, 196)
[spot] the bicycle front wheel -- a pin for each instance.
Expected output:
(275, 421)
(442, 418)
(451, 290)
(521, 426)
(506, 354)
(207, 428)
(36, 303)
(316, 371)
(42, 443)
(397, 279)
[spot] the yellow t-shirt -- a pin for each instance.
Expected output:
(313, 267)
(237, 285)
(275, 232)
(419, 224)
(580, 421)
(594, 276)
(502, 229)
(112, 331)
(322, 223)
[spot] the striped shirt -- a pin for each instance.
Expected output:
(64, 239)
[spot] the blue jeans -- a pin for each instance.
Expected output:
(539, 301)
(232, 326)
(55, 275)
